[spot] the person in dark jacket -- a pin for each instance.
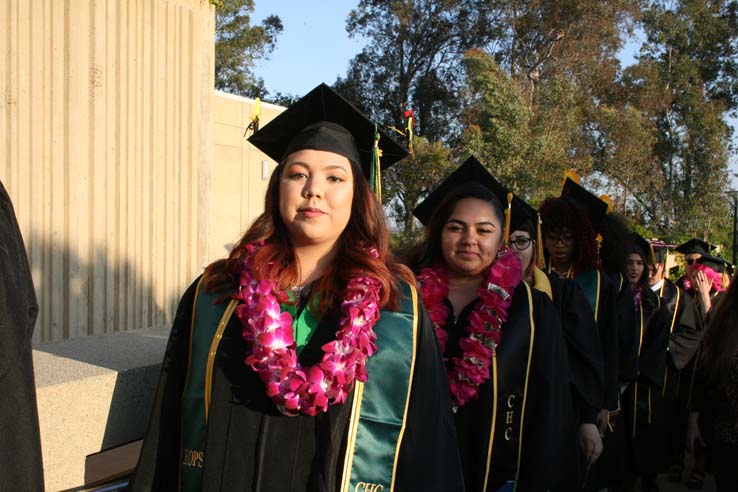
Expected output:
(20, 453)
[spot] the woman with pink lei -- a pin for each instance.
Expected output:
(502, 341)
(304, 361)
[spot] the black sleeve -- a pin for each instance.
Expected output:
(21, 466)
(583, 348)
(158, 465)
(686, 337)
(546, 429)
(611, 328)
(429, 455)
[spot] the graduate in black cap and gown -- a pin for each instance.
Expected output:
(502, 340)
(584, 352)
(20, 453)
(685, 333)
(305, 361)
(642, 399)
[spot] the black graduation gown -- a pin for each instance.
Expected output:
(585, 371)
(251, 446)
(20, 453)
(685, 326)
(584, 351)
(643, 402)
(547, 400)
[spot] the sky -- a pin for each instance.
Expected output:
(315, 47)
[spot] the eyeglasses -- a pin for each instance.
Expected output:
(565, 238)
(690, 261)
(521, 243)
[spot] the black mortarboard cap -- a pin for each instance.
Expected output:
(695, 246)
(644, 246)
(472, 171)
(323, 120)
(594, 206)
(659, 250)
(715, 262)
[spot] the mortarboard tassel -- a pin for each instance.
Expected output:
(539, 244)
(651, 254)
(409, 131)
(508, 216)
(254, 123)
(375, 177)
(610, 204)
(572, 175)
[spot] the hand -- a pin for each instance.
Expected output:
(693, 432)
(701, 283)
(590, 442)
(603, 419)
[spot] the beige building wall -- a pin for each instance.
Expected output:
(128, 174)
(104, 148)
(240, 173)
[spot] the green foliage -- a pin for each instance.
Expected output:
(405, 184)
(413, 60)
(238, 45)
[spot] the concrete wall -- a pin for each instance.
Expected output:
(106, 148)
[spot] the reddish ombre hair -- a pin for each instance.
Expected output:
(367, 227)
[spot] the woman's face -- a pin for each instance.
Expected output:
(523, 245)
(316, 191)
(471, 237)
(634, 268)
(560, 246)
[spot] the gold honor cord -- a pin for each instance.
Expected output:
(213, 350)
(527, 379)
(494, 419)
(508, 217)
(414, 294)
(671, 329)
(351, 438)
(540, 262)
(597, 301)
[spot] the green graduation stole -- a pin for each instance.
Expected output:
(589, 281)
(379, 409)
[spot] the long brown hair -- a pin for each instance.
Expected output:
(721, 339)
(367, 227)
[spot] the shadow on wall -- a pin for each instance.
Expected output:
(116, 323)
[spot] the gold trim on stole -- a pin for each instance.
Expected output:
(671, 330)
(351, 439)
(494, 419)
(414, 294)
(187, 380)
(213, 350)
(597, 300)
(527, 378)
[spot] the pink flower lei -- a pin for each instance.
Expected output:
(484, 332)
(270, 337)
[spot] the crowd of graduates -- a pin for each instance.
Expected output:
(513, 349)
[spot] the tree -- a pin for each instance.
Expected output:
(408, 182)
(238, 45)
(413, 60)
(685, 82)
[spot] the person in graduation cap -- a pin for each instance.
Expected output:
(569, 224)
(642, 399)
(584, 353)
(305, 361)
(714, 416)
(685, 333)
(502, 340)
